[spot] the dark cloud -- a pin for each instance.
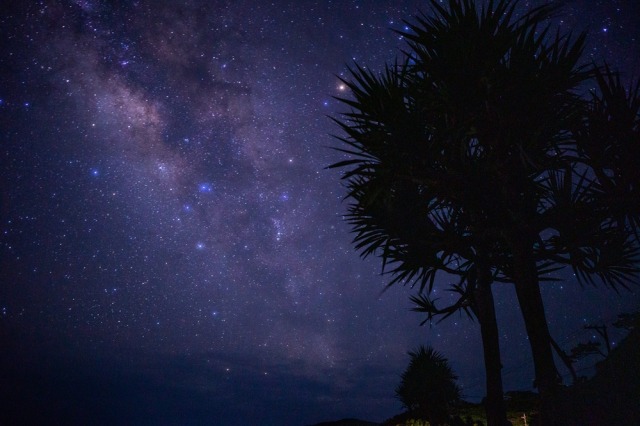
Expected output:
(89, 388)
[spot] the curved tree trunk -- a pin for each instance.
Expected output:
(565, 359)
(530, 300)
(485, 311)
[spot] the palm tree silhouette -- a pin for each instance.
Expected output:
(420, 178)
(465, 160)
(609, 141)
(428, 386)
(417, 232)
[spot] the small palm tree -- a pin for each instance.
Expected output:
(428, 388)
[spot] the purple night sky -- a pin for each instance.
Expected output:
(172, 249)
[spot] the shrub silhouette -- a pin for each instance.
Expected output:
(428, 386)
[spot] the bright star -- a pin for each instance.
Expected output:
(205, 187)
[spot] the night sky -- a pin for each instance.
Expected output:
(172, 249)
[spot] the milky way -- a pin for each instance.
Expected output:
(169, 228)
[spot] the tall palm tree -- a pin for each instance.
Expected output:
(417, 232)
(417, 177)
(428, 386)
(464, 161)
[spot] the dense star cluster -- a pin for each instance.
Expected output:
(171, 244)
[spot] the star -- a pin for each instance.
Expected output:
(205, 188)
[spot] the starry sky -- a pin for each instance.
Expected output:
(172, 249)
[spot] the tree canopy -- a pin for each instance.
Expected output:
(479, 155)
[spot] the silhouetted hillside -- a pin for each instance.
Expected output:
(611, 396)
(347, 422)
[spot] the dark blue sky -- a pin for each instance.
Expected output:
(172, 249)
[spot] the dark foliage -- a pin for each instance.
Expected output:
(477, 156)
(611, 396)
(428, 387)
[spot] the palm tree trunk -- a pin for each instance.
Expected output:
(485, 311)
(532, 307)
(566, 360)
